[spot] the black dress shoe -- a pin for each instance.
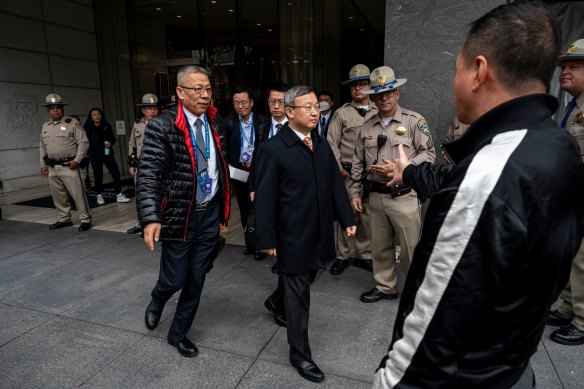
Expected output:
(364, 264)
(279, 318)
(84, 227)
(339, 266)
(309, 371)
(258, 256)
(185, 347)
(569, 335)
(275, 268)
(58, 225)
(374, 295)
(247, 251)
(134, 230)
(153, 313)
(555, 318)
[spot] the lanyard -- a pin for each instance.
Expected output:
(207, 154)
(242, 134)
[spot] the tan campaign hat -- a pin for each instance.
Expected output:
(149, 99)
(357, 72)
(574, 51)
(53, 99)
(383, 80)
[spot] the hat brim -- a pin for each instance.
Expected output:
(147, 105)
(49, 104)
(355, 79)
(573, 56)
(371, 91)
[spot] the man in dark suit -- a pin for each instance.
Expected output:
(242, 131)
(301, 190)
(326, 101)
(182, 198)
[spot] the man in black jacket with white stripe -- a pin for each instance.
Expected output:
(504, 222)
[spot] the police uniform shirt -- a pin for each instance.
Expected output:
(62, 139)
(407, 128)
(212, 161)
(137, 137)
(344, 128)
(575, 123)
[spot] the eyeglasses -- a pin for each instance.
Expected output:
(241, 103)
(360, 84)
(308, 108)
(273, 103)
(388, 94)
(198, 89)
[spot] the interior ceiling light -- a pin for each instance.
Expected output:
(269, 30)
(158, 9)
(290, 3)
(351, 18)
(213, 1)
(259, 24)
(179, 16)
(230, 10)
(361, 29)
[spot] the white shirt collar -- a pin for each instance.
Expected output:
(192, 118)
(275, 122)
(299, 134)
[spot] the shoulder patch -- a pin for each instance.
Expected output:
(423, 126)
(68, 120)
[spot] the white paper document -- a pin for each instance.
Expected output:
(238, 174)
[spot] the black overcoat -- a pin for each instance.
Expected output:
(299, 193)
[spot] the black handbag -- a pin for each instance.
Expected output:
(250, 231)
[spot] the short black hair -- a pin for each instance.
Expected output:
(522, 41)
(326, 93)
(278, 86)
(243, 89)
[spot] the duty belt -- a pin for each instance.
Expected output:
(379, 187)
(54, 162)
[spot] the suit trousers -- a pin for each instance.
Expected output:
(241, 190)
(573, 294)
(64, 181)
(97, 165)
(183, 265)
(358, 246)
(391, 216)
(294, 292)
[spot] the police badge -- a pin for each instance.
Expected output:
(401, 130)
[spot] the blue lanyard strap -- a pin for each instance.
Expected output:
(242, 134)
(207, 154)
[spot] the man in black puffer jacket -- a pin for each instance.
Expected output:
(182, 198)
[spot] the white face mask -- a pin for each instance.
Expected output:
(324, 106)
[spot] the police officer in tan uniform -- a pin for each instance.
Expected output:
(392, 210)
(63, 145)
(342, 134)
(570, 315)
(456, 129)
(149, 107)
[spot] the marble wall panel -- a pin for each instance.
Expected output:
(28, 8)
(24, 66)
(21, 33)
(71, 43)
(74, 72)
(69, 14)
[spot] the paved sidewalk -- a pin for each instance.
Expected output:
(72, 305)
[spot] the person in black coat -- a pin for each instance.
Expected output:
(299, 192)
(101, 139)
(243, 129)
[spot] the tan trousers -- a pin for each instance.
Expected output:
(358, 246)
(391, 216)
(64, 181)
(573, 294)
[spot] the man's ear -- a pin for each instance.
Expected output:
(482, 69)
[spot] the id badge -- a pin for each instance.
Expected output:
(207, 187)
(245, 157)
(202, 178)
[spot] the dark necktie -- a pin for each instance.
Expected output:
(279, 127)
(201, 161)
(569, 110)
(323, 122)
